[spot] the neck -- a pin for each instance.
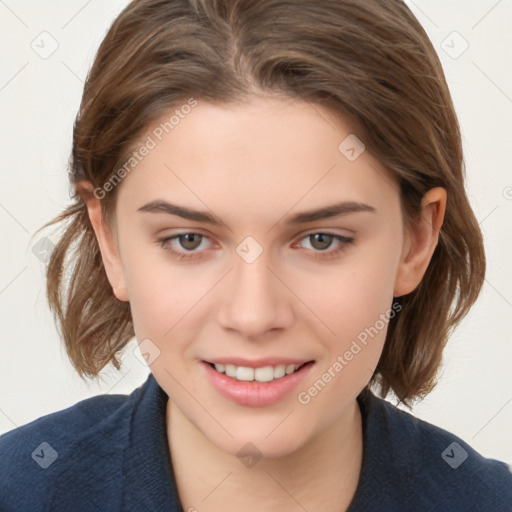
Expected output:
(322, 475)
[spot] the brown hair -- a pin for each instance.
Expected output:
(369, 61)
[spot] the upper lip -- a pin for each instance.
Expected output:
(257, 363)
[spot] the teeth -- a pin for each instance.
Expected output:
(263, 374)
(290, 369)
(279, 371)
(243, 373)
(230, 370)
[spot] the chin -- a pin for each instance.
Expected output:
(260, 440)
(251, 452)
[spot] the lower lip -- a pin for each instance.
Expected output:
(255, 393)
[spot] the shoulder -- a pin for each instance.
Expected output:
(92, 430)
(431, 466)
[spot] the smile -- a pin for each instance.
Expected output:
(260, 385)
(261, 374)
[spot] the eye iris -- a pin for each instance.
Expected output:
(189, 237)
(324, 244)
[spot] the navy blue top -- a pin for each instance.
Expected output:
(110, 453)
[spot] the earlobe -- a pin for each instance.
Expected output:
(419, 245)
(105, 239)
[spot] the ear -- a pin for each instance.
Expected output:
(419, 245)
(104, 236)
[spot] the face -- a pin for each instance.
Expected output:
(256, 279)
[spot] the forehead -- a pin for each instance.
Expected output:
(265, 155)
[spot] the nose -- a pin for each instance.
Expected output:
(255, 299)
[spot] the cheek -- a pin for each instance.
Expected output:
(355, 306)
(358, 313)
(160, 296)
(352, 296)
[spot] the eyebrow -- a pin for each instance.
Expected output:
(334, 210)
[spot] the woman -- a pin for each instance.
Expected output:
(270, 198)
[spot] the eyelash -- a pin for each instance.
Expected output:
(325, 254)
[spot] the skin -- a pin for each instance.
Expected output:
(253, 165)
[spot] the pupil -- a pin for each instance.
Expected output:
(321, 235)
(189, 239)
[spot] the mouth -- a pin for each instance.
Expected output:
(266, 373)
(257, 383)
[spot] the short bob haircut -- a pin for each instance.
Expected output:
(369, 61)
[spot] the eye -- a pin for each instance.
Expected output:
(190, 244)
(188, 241)
(322, 241)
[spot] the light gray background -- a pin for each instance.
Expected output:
(39, 98)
